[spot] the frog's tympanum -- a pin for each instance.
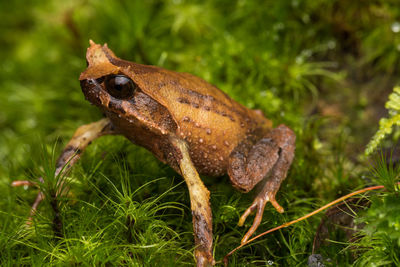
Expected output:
(188, 124)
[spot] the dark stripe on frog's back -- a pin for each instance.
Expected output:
(205, 108)
(215, 100)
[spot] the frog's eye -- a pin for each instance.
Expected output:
(119, 86)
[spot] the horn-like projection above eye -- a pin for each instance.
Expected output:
(119, 86)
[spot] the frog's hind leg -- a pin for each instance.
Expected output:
(270, 158)
(200, 205)
(83, 136)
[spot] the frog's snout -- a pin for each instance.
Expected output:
(92, 91)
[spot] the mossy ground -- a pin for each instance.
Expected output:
(324, 68)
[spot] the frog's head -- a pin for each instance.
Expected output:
(111, 83)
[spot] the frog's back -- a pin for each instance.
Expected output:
(209, 120)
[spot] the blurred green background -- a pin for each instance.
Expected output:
(325, 68)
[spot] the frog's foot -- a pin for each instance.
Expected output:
(267, 159)
(258, 206)
(270, 188)
(38, 199)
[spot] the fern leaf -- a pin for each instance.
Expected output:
(386, 125)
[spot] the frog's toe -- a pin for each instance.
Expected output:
(249, 211)
(258, 206)
(274, 203)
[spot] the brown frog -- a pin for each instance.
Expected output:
(188, 124)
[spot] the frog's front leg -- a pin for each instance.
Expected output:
(200, 205)
(249, 163)
(83, 136)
